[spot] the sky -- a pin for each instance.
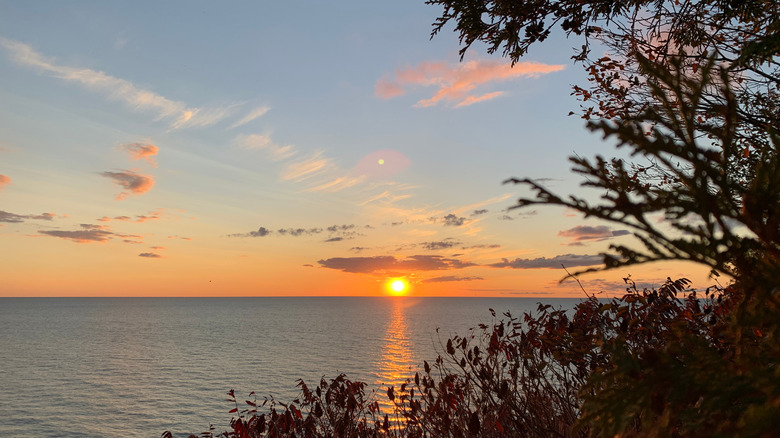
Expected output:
(285, 148)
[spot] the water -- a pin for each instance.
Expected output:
(121, 367)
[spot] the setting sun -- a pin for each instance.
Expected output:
(397, 286)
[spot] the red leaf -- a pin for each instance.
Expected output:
(233, 410)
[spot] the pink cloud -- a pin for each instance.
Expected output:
(140, 151)
(455, 84)
(387, 89)
(132, 182)
(4, 181)
(474, 99)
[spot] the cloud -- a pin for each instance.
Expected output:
(88, 234)
(177, 113)
(18, 218)
(139, 151)
(4, 181)
(150, 255)
(568, 260)
(383, 264)
(337, 184)
(450, 220)
(387, 89)
(492, 246)
(306, 168)
(334, 239)
(470, 100)
(132, 182)
(479, 212)
(254, 114)
(264, 142)
(346, 231)
(443, 244)
(455, 84)
(152, 215)
(583, 233)
(448, 278)
(261, 232)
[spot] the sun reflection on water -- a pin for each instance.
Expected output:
(397, 361)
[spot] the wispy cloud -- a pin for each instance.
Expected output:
(389, 264)
(177, 113)
(568, 260)
(487, 246)
(306, 168)
(346, 231)
(340, 183)
(18, 218)
(4, 181)
(583, 233)
(150, 255)
(138, 151)
(131, 181)
(264, 142)
(449, 278)
(456, 84)
(90, 233)
(254, 114)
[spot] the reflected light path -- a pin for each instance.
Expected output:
(397, 361)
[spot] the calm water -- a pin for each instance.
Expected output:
(138, 366)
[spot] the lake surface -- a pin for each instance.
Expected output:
(125, 367)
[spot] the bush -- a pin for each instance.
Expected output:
(553, 373)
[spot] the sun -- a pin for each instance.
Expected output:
(397, 286)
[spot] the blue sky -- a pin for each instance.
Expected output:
(145, 146)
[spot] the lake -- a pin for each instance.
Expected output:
(125, 367)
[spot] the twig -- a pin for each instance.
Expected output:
(570, 275)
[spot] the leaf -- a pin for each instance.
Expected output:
(474, 425)
(233, 410)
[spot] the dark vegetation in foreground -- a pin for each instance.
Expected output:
(691, 88)
(649, 360)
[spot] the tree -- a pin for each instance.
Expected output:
(691, 87)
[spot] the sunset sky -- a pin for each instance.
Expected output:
(283, 148)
